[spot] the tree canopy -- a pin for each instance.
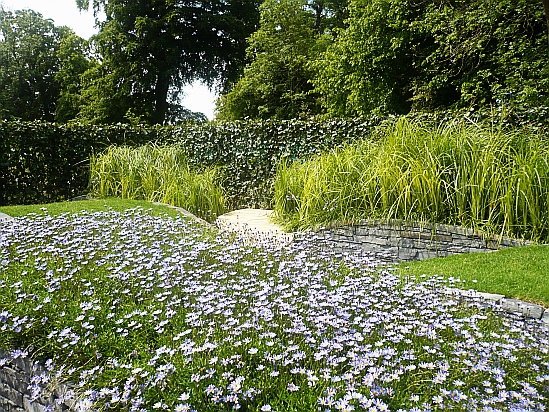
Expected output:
(276, 59)
(277, 81)
(40, 65)
(150, 48)
(393, 57)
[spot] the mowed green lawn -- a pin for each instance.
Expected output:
(93, 205)
(520, 272)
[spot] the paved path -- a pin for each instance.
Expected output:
(3, 216)
(254, 224)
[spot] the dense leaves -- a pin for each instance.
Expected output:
(150, 49)
(40, 65)
(276, 84)
(42, 162)
(402, 55)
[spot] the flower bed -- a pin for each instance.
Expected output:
(144, 313)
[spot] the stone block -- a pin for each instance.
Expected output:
(14, 379)
(373, 240)
(491, 296)
(407, 254)
(11, 394)
(32, 406)
(5, 218)
(412, 234)
(527, 309)
(545, 318)
(363, 230)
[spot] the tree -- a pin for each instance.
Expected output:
(276, 83)
(150, 48)
(73, 63)
(35, 67)
(370, 65)
(402, 55)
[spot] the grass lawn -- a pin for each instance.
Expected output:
(146, 311)
(95, 205)
(521, 272)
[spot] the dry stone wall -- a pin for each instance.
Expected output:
(398, 241)
(19, 386)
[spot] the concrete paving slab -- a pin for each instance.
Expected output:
(254, 224)
(4, 217)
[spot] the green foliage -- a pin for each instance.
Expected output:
(150, 49)
(156, 174)
(369, 67)
(276, 82)
(488, 179)
(89, 205)
(73, 64)
(402, 55)
(483, 52)
(248, 151)
(42, 162)
(40, 65)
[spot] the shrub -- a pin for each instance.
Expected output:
(157, 174)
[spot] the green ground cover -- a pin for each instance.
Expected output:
(92, 205)
(148, 311)
(521, 272)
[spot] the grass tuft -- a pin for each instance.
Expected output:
(488, 179)
(157, 174)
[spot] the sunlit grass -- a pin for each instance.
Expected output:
(520, 273)
(488, 179)
(157, 174)
(148, 312)
(92, 205)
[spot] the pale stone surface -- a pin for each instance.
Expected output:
(545, 317)
(491, 296)
(256, 225)
(527, 309)
(4, 217)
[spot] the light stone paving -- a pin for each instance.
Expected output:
(254, 225)
(4, 217)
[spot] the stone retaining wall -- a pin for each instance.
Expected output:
(18, 377)
(398, 241)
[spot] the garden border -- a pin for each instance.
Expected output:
(401, 240)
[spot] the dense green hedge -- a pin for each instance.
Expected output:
(43, 162)
(249, 151)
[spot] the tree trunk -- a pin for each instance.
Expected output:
(546, 8)
(161, 98)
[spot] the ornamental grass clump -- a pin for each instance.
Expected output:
(146, 313)
(157, 174)
(493, 180)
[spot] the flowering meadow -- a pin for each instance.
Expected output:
(143, 313)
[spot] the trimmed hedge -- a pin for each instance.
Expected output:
(43, 162)
(249, 151)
